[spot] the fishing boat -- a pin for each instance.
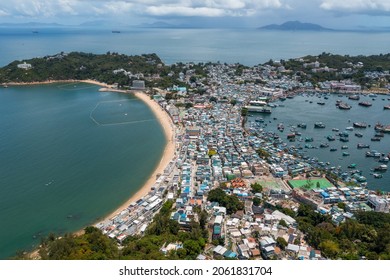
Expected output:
(386, 107)
(382, 167)
(335, 129)
(345, 154)
(358, 134)
(302, 125)
(344, 147)
(359, 124)
(321, 103)
(324, 145)
(384, 159)
(363, 146)
(377, 139)
(350, 128)
(330, 137)
(365, 104)
(377, 175)
(319, 125)
(373, 153)
(344, 106)
(354, 97)
(333, 149)
(352, 165)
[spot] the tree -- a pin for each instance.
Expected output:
(256, 201)
(282, 243)
(330, 248)
(256, 188)
(283, 223)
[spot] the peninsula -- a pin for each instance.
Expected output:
(228, 187)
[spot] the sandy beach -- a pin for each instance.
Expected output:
(167, 156)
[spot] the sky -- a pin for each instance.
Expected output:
(338, 14)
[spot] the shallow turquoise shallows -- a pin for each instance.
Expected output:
(69, 155)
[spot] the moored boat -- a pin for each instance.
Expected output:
(344, 106)
(363, 146)
(354, 97)
(360, 124)
(365, 104)
(319, 125)
(382, 167)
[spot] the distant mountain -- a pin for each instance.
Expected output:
(295, 25)
(30, 24)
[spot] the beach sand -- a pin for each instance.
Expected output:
(168, 154)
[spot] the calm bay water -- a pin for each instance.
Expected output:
(304, 109)
(69, 155)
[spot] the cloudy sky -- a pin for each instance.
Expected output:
(213, 13)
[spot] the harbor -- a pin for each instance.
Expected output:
(330, 138)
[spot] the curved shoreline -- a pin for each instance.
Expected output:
(167, 155)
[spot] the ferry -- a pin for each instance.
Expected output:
(258, 107)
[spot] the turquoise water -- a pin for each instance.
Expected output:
(247, 46)
(304, 109)
(69, 155)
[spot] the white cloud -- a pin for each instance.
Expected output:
(3, 13)
(362, 6)
(184, 11)
(203, 8)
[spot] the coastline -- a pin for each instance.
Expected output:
(167, 156)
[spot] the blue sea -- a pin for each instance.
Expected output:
(70, 155)
(246, 46)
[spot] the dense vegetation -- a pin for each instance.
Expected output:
(80, 66)
(93, 245)
(231, 202)
(366, 236)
